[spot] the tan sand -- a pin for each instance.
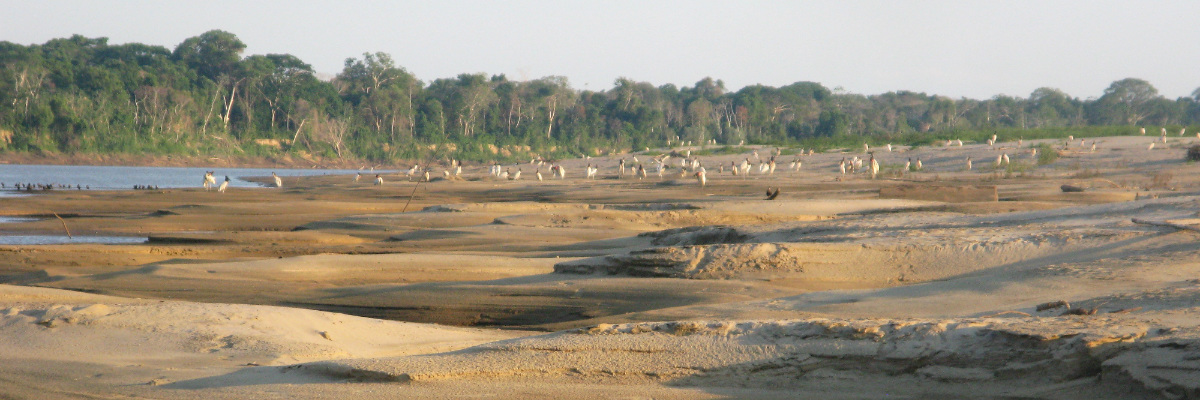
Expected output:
(626, 288)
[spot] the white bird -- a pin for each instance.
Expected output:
(889, 147)
(999, 160)
(1020, 142)
(458, 170)
(968, 163)
(562, 172)
(426, 175)
(919, 165)
(700, 177)
(504, 174)
(209, 180)
(1033, 153)
(516, 175)
(908, 165)
(959, 142)
(874, 167)
(538, 174)
(1164, 131)
(1072, 137)
(1182, 131)
(357, 176)
(1006, 160)
(278, 181)
(378, 180)
(842, 166)
(1143, 131)
(866, 148)
(641, 172)
(1151, 147)
(1093, 146)
(223, 185)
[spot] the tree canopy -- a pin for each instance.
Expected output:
(205, 97)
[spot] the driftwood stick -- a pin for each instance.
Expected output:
(1005, 313)
(1166, 224)
(411, 195)
(64, 222)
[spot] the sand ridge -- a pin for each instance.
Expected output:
(623, 287)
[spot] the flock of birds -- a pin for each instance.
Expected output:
(754, 164)
(661, 164)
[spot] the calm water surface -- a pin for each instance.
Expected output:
(110, 178)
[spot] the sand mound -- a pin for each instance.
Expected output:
(888, 246)
(60, 325)
(993, 355)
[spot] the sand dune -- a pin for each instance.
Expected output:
(625, 288)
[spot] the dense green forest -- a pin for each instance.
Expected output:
(83, 95)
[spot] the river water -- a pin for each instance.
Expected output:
(120, 178)
(110, 178)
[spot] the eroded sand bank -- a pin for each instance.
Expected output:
(624, 287)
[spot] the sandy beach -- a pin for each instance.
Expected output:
(943, 282)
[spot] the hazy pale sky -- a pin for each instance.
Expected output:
(975, 49)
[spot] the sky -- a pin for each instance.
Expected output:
(962, 48)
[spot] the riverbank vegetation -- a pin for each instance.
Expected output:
(204, 98)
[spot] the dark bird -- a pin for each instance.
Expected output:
(772, 195)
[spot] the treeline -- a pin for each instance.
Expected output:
(83, 95)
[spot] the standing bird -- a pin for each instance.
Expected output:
(889, 147)
(378, 180)
(426, 174)
(999, 160)
(278, 180)
(919, 165)
(1151, 147)
(1006, 160)
(1143, 131)
(223, 185)
(700, 177)
(209, 180)
(357, 176)
(516, 175)
(908, 165)
(969, 163)
(538, 174)
(641, 172)
(874, 167)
